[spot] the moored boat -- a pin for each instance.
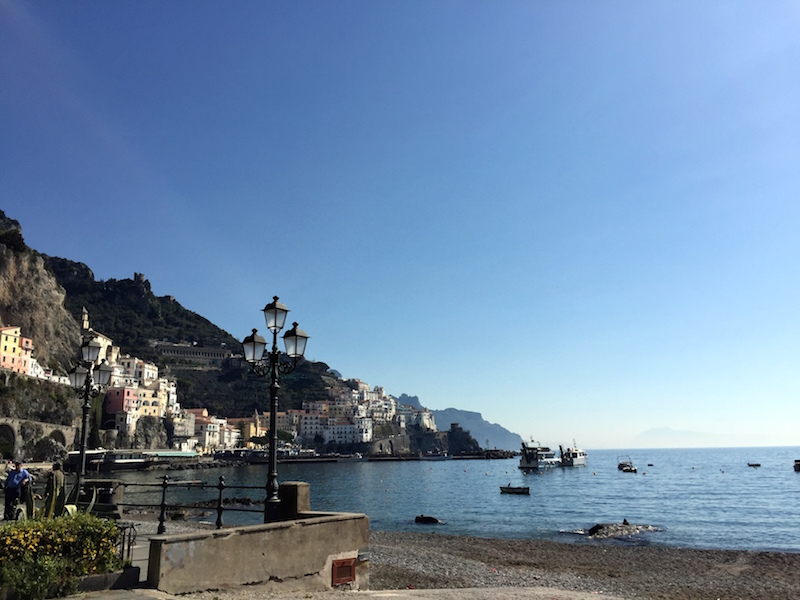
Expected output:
(625, 464)
(111, 461)
(573, 456)
(535, 456)
(435, 456)
(513, 489)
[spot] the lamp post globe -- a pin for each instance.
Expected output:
(275, 315)
(295, 341)
(90, 350)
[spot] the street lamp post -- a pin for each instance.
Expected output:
(87, 380)
(254, 347)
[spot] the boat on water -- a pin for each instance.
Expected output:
(435, 456)
(797, 466)
(535, 456)
(573, 456)
(355, 457)
(625, 464)
(110, 461)
(514, 489)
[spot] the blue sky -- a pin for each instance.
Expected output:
(579, 219)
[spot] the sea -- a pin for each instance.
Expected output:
(689, 498)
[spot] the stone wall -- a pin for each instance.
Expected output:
(309, 551)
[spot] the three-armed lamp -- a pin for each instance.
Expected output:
(87, 380)
(254, 347)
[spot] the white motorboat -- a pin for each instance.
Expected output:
(573, 456)
(625, 464)
(534, 456)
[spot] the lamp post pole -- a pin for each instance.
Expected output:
(254, 347)
(273, 501)
(87, 405)
(87, 382)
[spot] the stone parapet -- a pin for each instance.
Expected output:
(312, 551)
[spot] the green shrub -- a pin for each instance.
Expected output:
(57, 552)
(36, 578)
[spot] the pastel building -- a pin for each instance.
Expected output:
(15, 350)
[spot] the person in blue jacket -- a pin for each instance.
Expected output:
(16, 481)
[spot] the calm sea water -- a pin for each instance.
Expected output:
(696, 498)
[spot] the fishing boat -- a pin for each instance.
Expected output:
(535, 456)
(514, 489)
(573, 456)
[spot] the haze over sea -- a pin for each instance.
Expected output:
(696, 498)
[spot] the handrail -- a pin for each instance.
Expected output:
(164, 507)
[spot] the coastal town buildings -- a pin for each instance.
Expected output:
(348, 416)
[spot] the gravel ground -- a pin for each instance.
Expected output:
(428, 561)
(433, 560)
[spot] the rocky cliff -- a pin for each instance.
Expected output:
(31, 298)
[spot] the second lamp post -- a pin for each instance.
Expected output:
(254, 347)
(87, 381)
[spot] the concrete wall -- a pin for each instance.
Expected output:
(296, 554)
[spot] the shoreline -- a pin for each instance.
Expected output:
(623, 571)
(436, 561)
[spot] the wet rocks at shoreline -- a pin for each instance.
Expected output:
(617, 530)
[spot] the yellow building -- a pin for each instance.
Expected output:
(15, 350)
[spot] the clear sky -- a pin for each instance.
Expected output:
(580, 219)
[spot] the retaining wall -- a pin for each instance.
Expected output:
(305, 551)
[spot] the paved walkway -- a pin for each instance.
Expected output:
(455, 594)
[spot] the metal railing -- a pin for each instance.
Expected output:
(164, 507)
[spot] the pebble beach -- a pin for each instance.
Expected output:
(431, 561)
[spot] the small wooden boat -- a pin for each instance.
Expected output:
(513, 489)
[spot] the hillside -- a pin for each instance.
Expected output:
(127, 311)
(45, 296)
(31, 298)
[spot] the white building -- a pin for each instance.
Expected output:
(342, 431)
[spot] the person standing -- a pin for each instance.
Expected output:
(54, 493)
(16, 481)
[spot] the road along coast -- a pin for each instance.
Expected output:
(423, 562)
